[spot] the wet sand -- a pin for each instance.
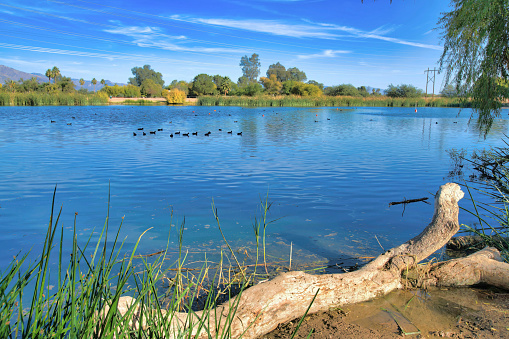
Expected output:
(436, 313)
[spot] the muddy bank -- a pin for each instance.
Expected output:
(449, 313)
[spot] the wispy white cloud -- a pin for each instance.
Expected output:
(377, 34)
(308, 30)
(108, 55)
(26, 63)
(329, 53)
(154, 37)
(263, 26)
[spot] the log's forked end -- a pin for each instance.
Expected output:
(449, 192)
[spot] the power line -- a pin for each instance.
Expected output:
(430, 78)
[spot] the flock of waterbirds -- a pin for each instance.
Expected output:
(141, 130)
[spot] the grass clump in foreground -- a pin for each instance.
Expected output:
(488, 169)
(80, 298)
(491, 172)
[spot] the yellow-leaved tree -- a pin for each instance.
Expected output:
(175, 96)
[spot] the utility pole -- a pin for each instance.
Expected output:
(430, 78)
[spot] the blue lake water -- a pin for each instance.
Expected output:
(330, 174)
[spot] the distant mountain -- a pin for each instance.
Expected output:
(7, 73)
(13, 74)
(88, 85)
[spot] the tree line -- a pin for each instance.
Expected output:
(279, 80)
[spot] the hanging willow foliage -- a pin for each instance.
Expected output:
(476, 53)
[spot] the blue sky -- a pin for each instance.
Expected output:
(374, 43)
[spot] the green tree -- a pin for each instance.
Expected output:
(296, 74)
(31, 85)
(151, 89)
(300, 88)
(226, 85)
(252, 89)
(203, 84)
(94, 82)
(66, 85)
(114, 91)
(272, 84)
(476, 53)
(55, 72)
(316, 83)
(82, 82)
(243, 81)
(403, 91)
(217, 79)
(250, 67)
(10, 85)
(132, 91)
(143, 73)
(279, 71)
(181, 85)
(288, 87)
(342, 90)
(51, 88)
(103, 82)
(49, 74)
(363, 92)
(449, 91)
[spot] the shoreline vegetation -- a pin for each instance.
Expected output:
(326, 101)
(100, 98)
(103, 290)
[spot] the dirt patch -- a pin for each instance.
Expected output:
(122, 100)
(449, 313)
(155, 100)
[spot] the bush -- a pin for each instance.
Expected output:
(175, 96)
(344, 90)
(403, 91)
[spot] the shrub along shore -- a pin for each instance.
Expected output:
(100, 98)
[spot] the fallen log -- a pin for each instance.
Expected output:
(483, 267)
(260, 308)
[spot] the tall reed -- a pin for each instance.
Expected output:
(51, 99)
(79, 298)
(324, 101)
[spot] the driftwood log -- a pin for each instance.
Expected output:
(262, 307)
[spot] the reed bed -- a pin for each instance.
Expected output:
(51, 99)
(142, 102)
(324, 101)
